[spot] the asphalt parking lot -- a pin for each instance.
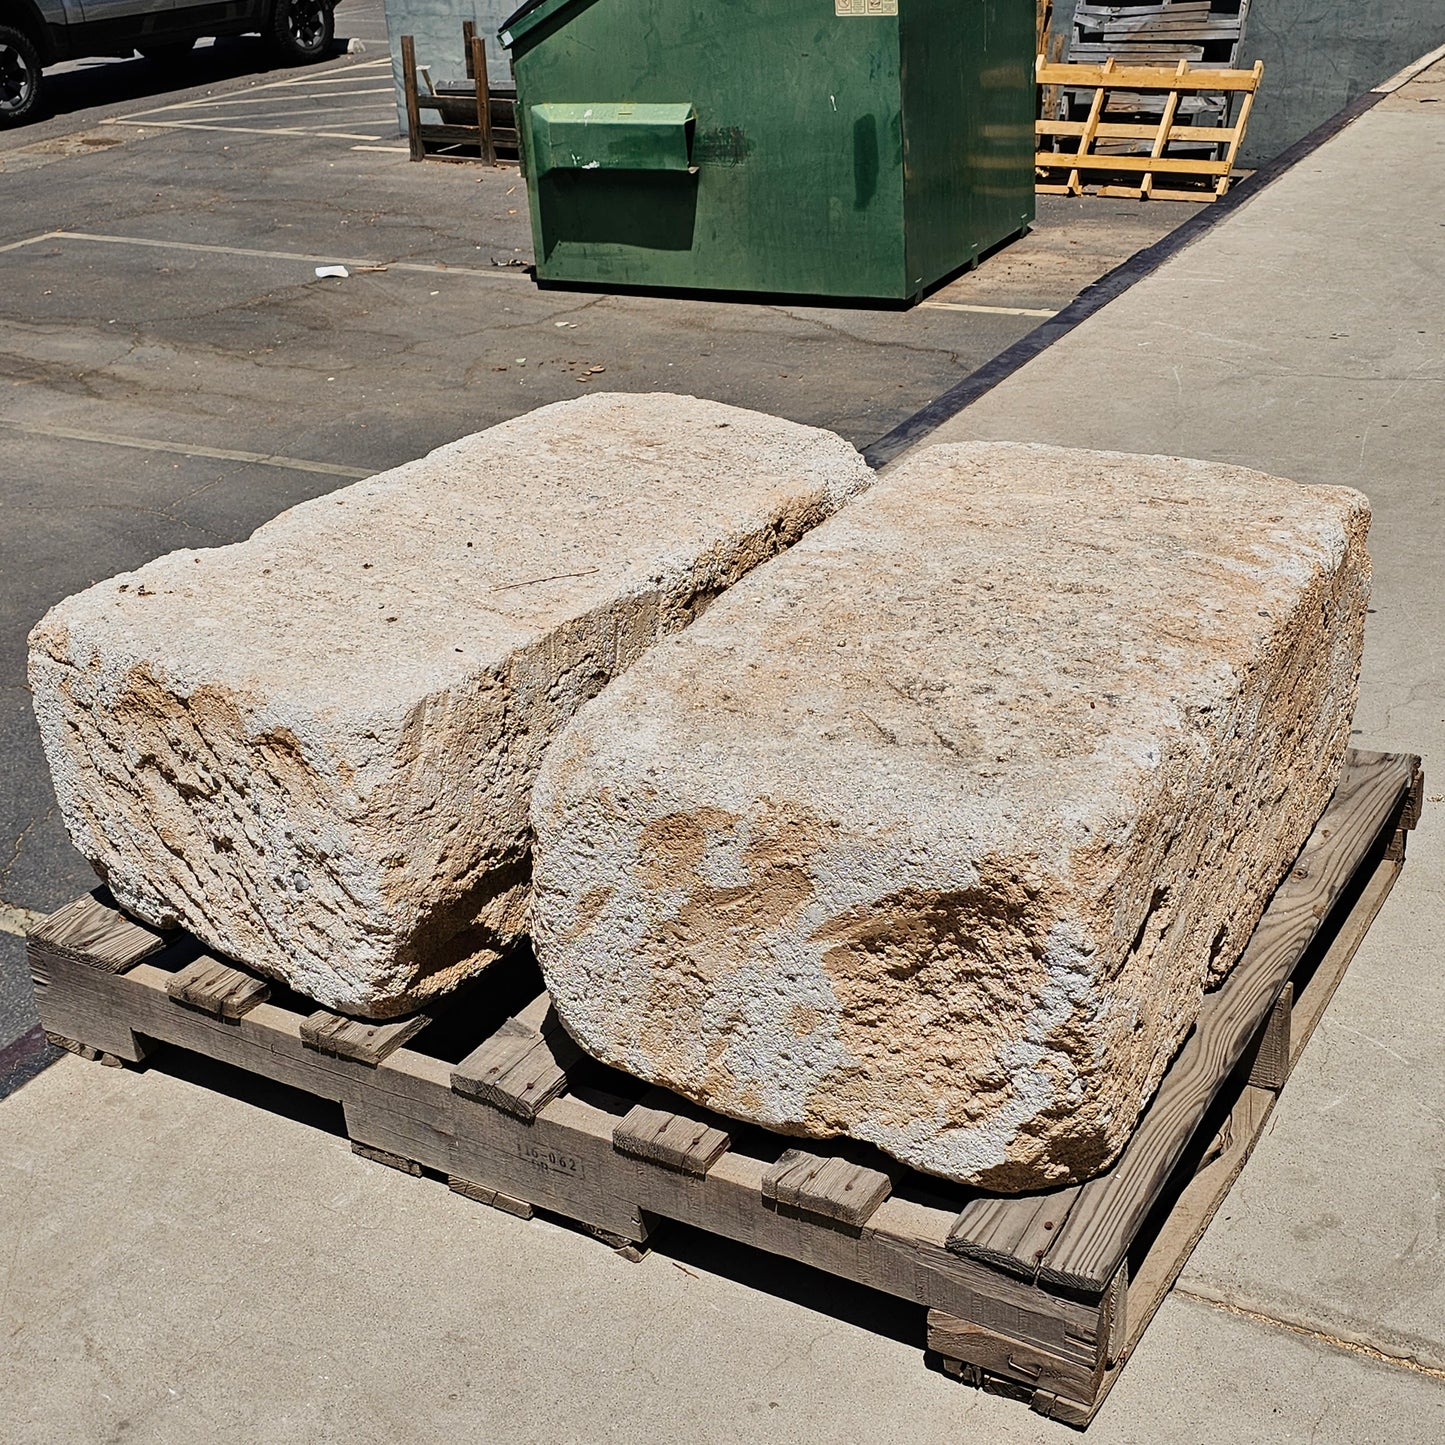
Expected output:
(173, 373)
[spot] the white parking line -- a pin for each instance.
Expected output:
(353, 111)
(426, 268)
(346, 76)
(221, 454)
(267, 99)
(215, 113)
(988, 310)
(243, 129)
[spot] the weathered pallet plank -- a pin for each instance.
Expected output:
(1269, 1066)
(217, 989)
(93, 931)
(1011, 1233)
(665, 1130)
(359, 1039)
(481, 1195)
(526, 1064)
(828, 1186)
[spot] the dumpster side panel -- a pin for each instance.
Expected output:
(968, 126)
(797, 153)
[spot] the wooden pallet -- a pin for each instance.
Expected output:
(1204, 30)
(1096, 147)
(1042, 1296)
(473, 117)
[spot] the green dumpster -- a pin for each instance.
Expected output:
(849, 148)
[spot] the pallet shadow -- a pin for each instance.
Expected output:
(789, 1279)
(286, 1102)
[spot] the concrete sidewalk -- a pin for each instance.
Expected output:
(177, 1265)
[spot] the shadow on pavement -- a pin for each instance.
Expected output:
(687, 1248)
(100, 82)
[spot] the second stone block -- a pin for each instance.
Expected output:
(933, 832)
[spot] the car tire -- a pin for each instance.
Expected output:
(302, 30)
(167, 52)
(19, 77)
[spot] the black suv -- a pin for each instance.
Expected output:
(37, 33)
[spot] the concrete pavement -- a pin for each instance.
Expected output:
(179, 1266)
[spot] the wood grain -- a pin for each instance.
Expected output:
(1011, 1232)
(359, 1039)
(1269, 1066)
(665, 1130)
(829, 1186)
(217, 989)
(480, 1194)
(522, 1067)
(93, 931)
(1012, 1359)
(383, 1156)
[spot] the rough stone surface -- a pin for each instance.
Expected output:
(315, 749)
(934, 830)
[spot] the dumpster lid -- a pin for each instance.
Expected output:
(528, 17)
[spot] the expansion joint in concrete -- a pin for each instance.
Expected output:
(1350, 1342)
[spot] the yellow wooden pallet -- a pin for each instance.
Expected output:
(1211, 176)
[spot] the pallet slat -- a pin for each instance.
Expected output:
(92, 930)
(1013, 1234)
(218, 989)
(664, 1130)
(359, 1039)
(827, 1186)
(523, 1066)
(1147, 77)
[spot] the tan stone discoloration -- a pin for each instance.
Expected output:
(315, 749)
(713, 925)
(670, 849)
(943, 971)
(1055, 724)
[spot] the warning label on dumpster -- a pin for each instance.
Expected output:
(865, 7)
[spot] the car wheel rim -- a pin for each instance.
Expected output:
(306, 21)
(16, 80)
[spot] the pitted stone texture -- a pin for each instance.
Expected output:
(934, 830)
(315, 749)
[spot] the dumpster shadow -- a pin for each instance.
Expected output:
(644, 233)
(652, 209)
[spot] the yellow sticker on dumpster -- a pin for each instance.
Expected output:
(865, 7)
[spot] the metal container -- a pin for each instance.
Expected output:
(848, 148)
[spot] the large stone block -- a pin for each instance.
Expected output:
(934, 830)
(315, 749)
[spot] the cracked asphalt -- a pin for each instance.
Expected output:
(173, 373)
